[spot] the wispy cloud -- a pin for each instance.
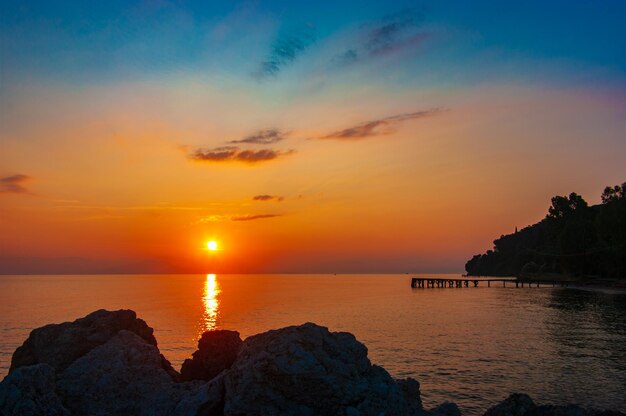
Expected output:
(238, 217)
(284, 51)
(392, 33)
(235, 154)
(14, 184)
(379, 127)
(267, 136)
(254, 217)
(276, 198)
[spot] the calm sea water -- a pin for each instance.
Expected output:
(473, 346)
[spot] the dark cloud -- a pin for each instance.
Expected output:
(392, 33)
(378, 127)
(253, 217)
(268, 136)
(268, 198)
(284, 51)
(235, 154)
(14, 184)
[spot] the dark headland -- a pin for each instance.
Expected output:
(575, 241)
(108, 363)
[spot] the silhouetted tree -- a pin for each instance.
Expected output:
(574, 238)
(614, 193)
(563, 206)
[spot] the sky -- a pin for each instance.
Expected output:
(303, 137)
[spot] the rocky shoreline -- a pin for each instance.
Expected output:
(108, 363)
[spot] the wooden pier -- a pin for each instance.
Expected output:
(440, 282)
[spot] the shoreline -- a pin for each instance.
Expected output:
(609, 290)
(604, 285)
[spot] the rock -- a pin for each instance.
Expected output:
(307, 370)
(114, 377)
(124, 376)
(595, 412)
(59, 345)
(108, 363)
(446, 409)
(30, 391)
(217, 350)
(517, 404)
(567, 410)
(410, 389)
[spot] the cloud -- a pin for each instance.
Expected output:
(392, 33)
(284, 51)
(379, 127)
(14, 184)
(276, 198)
(254, 217)
(235, 154)
(268, 136)
(241, 217)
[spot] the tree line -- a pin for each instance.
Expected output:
(573, 239)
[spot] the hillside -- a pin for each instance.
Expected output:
(573, 239)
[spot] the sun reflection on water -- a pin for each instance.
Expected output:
(211, 303)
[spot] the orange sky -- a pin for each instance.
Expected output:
(111, 182)
(384, 139)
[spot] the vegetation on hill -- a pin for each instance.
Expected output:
(573, 239)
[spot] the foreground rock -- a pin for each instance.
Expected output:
(307, 370)
(410, 389)
(519, 404)
(58, 345)
(31, 391)
(217, 351)
(108, 363)
(123, 376)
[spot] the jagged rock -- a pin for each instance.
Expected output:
(446, 409)
(60, 344)
(123, 376)
(217, 350)
(307, 370)
(517, 404)
(30, 391)
(410, 389)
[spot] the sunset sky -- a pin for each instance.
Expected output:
(327, 136)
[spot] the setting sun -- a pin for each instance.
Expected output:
(211, 245)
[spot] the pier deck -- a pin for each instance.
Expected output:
(439, 282)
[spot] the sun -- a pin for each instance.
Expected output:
(211, 245)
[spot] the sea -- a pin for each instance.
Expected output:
(473, 346)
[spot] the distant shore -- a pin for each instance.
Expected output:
(580, 282)
(595, 284)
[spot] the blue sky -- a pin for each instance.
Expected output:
(582, 41)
